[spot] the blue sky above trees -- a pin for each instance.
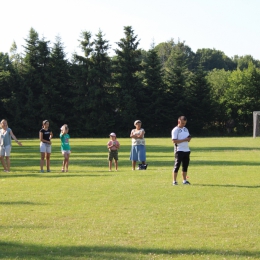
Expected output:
(230, 26)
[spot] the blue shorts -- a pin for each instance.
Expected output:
(138, 153)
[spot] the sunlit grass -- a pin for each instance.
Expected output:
(91, 213)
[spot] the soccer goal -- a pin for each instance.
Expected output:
(256, 123)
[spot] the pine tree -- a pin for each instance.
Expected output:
(126, 66)
(177, 79)
(36, 89)
(81, 82)
(154, 89)
(100, 98)
(59, 99)
(198, 100)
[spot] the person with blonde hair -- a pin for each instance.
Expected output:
(65, 147)
(6, 144)
(113, 145)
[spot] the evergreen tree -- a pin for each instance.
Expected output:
(36, 89)
(198, 102)
(5, 77)
(80, 83)
(177, 79)
(100, 98)
(59, 99)
(126, 66)
(153, 99)
(10, 83)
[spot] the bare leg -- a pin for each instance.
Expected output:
(42, 160)
(63, 163)
(174, 176)
(67, 162)
(116, 164)
(133, 165)
(48, 155)
(8, 164)
(3, 163)
(110, 165)
(184, 176)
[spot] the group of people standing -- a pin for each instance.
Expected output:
(138, 150)
(180, 138)
(45, 136)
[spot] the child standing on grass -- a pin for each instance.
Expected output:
(113, 146)
(65, 147)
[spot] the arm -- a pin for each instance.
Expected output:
(140, 136)
(109, 146)
(176, 141)
(42, 140)
(14, 137)
(132, 134)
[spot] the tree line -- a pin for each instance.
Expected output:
(96, 93)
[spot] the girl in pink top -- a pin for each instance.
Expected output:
(113, 146)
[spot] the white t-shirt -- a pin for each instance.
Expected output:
(179, 134)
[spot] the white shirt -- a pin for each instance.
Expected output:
(179, 134)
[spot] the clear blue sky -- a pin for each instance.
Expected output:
(232, 26)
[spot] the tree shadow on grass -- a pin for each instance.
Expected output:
(223, 149)
(204, 163)
(228, 186)
(51, 175)
(168, 149)
(18, 203)
(12, 250)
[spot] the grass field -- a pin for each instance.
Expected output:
(91, 213)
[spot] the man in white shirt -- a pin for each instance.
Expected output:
(180, 138)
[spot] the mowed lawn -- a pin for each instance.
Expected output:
(91, 213)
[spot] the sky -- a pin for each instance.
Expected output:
(231, 26)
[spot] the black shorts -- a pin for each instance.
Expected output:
(181, 158)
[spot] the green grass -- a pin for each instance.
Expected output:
(91, 213)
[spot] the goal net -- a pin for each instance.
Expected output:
(256, 123)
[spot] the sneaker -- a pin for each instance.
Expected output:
(62, 170)
(175, 183)
(142, 166)
(41, 171)
(48, 170)
(186, 182)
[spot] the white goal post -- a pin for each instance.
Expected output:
(256, 124)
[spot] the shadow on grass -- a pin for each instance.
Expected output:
(227, 186)
(12, 250)
(222, 149)
(224, 163)
(20, 203)
(51, 175)
(167, 149)
(155, 161)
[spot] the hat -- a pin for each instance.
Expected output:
(137, 121)
(112, 134)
